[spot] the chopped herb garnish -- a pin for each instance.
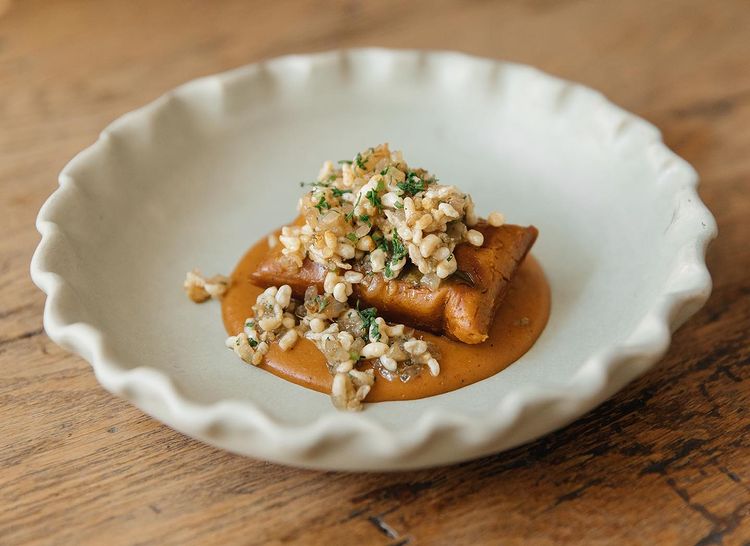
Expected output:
(374, 331)
(338, 193)
(412, 185)
(360, 162)
(380, 241)
(342, 161)
(352, 237)
(399, 204)
(365, 218)
(399, 251)
(374, 199)
(385, 171)
(449, 258)
(253, 342)
(355, 356)
(322, 204)
(368, 319)
(350, 215)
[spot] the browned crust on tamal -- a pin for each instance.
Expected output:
(462, 307)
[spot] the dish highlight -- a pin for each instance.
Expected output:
(385, 270)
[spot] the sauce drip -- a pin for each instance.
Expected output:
(519, 322)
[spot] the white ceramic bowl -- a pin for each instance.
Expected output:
(201, 173)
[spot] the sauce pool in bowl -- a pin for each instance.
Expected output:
(518, 323)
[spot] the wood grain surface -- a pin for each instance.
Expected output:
(667, 461)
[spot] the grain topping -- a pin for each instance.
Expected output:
(356, 343)
(376, 214)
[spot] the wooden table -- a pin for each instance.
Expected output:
(667, 461)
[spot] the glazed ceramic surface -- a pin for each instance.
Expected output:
(193, 179)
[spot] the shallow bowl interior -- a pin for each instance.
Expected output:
(195, 178)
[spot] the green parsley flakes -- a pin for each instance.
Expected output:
(412, 185)
(374, 199)
(322, 204)
(338, 193)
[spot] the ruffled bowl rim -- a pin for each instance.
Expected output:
(310, 445)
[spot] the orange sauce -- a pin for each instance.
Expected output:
(518, 323)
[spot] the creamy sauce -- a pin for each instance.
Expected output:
(518, 323)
